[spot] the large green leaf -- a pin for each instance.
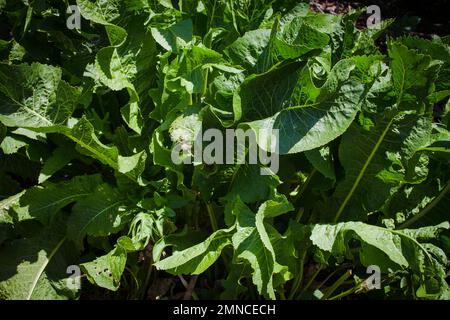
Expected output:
(11, 144)
(174, 37)
(302, 125)
(250, 186)
(334, 238)
(35, 268)
(43, 202)
(374, 160)
(381, 153)
(60, 157)
(295, 38)
(83, 133)
(247, 50)
(290, 38)
(100, 214)
(252, 244)
(106, 271)
(412, 74)
(7, 219)
(124, 64)
(35, 96)
(198, 258)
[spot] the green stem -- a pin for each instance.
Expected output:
(345, 293)
(205, 86)
(147, 279)
(234, 17)
(311, 280)
(327, 278)
(213, 12)
(427, 209)
(304, 106)
(136, 281)
(299, 278)
(212, 217)
(337, 284)
(299, 215)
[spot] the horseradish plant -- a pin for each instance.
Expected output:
(91, 203)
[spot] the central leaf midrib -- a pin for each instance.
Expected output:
(42, 268)
(96, 215)
(363, 171)
(31, 111)
(99, 155)
(59, 201)
(95, 152)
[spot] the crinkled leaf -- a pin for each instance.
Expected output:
(35, 269)
(198, 258)
(174, 37)
(100, 214)
(60, 157)
(43, 202)
(307, 126)
(252, 244)
(35, 96)
(106, 271)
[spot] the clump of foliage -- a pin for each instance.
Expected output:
(87, 120)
